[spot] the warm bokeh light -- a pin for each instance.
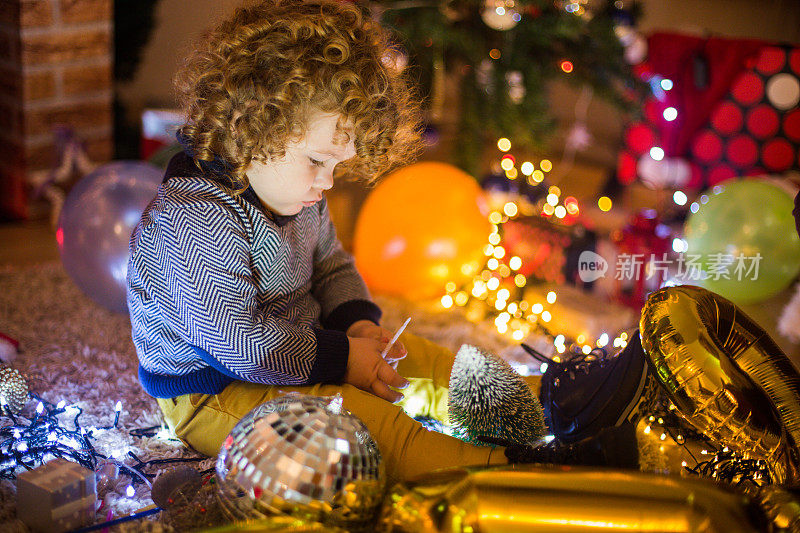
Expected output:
(510, 209)
(526, 168)
(503, 144)
(546, 165)
(604, 203)
(494, 53)
(567, 66)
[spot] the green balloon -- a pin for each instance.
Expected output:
(745, 232)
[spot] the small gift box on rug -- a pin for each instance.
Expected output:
(57, 496)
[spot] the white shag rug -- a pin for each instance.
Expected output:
(76, 351)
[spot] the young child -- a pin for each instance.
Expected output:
(238, 288)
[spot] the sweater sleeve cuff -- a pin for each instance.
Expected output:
(348, 313)
(330, 364)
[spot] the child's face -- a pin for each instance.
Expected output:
(297, 180)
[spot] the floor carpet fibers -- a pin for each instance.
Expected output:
(76, 351)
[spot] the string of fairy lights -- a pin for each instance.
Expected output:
(55, 430)
(499, 288)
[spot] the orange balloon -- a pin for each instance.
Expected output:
(424, 225)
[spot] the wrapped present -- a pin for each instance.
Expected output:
(57, 496)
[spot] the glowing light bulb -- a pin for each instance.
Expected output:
(560, 211)
(510, 209)
(39, 408)
(546, 316)
(61, 404)
(526, 168)
(667, 84)
(680, 198)
(546, 165)
(603, 340)
(537, 175)
(552, 199)
(670, 114)
(515, 263)
(461, 298)
(499, 252)
(604, 203)
(130, 492)
(503, 144)
(567, 66)
(507, 163)
(537, 308)
(447, 301)
(657, 153)
(520, 280)
(551, 297)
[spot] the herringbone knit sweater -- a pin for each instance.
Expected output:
(220, 290)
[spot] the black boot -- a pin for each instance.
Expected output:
(612, 446)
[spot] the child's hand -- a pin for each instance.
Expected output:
(370, 330)
(367, 370)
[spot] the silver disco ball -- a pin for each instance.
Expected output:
(302, 456)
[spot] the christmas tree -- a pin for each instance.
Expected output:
(504, 52)
(488, 398)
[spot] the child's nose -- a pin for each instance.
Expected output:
(324, 179)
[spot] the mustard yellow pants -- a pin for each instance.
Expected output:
(202, 421)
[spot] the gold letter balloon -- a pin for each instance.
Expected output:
(726, 376)
(424, 225)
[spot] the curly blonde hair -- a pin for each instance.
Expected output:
(251, 84)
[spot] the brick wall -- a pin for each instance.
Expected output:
(55, 70)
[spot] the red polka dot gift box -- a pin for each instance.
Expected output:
(720, 108)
